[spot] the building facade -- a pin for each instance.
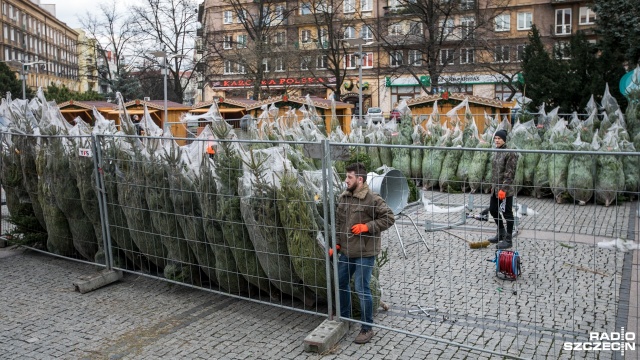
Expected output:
(31, 33)
(476, 50)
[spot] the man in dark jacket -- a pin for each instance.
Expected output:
(360, 219)
(502, 192)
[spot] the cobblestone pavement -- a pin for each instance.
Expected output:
(568, 288)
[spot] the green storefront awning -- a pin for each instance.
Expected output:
(425, 80)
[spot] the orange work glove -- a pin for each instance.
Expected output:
(331, 251)
(359, 229)
(502, 195)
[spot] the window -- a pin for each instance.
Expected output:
(503, 92)
(365, 5)
(562, 50)
(415, 28)
(279, 13)
(467, 56)
(395, 58)
(446, 56)
(280, 65)
(503, 22)
(467, 4)
(399, 93)
(228, 67)
(414, 58)
(501, 54)
(350, 33)
(323, 39)
(226, 43)
(305, 36)
(241, 69)
(321, 62)
(305, 8)
(366, 33)
(367, 60)
(265, 65)
(351, 61)
(323, 6)
(304, 62)
(563, 21)
(242, 16)
(447, 27)
(525, 19)
(279, 38)
(396, 29)
(587, 16)
(467, 26)
(349, 6)
(242, 41)
(228, 17)
(520, 52)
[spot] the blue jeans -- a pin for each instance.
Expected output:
(362, 267)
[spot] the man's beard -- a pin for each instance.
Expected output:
(352, 188)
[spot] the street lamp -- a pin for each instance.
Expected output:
(165, 69)
(359, 42)
(21, 64)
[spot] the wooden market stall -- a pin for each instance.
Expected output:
(156, 112)
(231, 109)
(421, 107)
(323, 108)
(84, 109)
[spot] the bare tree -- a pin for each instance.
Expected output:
(256, 45)
(432, 34)
(325, 51)
(169, 26)
(113, 31)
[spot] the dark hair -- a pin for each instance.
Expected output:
(359, 169)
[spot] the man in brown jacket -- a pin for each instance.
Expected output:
(502, 192)
(360, 219)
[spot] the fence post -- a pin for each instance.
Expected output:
(332, 220)
(327, 201)
(102, 202)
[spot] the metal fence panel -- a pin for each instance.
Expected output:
(200, 222)
(49, 185)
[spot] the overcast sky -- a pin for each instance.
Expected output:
(68, 11)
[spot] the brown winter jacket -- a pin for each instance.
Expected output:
(362, 207)
(504, 171)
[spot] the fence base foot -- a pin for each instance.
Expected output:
(97, 281)
(325, 336)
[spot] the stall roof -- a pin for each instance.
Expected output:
(460, 97)
(239, 102)
(87, 104)
(317, 102)
(158, 104)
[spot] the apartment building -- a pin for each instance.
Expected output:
(31, 33)
(481, 46)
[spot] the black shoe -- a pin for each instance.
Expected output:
(498, 237)
(506, 243)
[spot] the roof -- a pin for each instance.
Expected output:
(316, 101)
(87, 104)
(460, 97)
(158, 104)
(240, 102)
